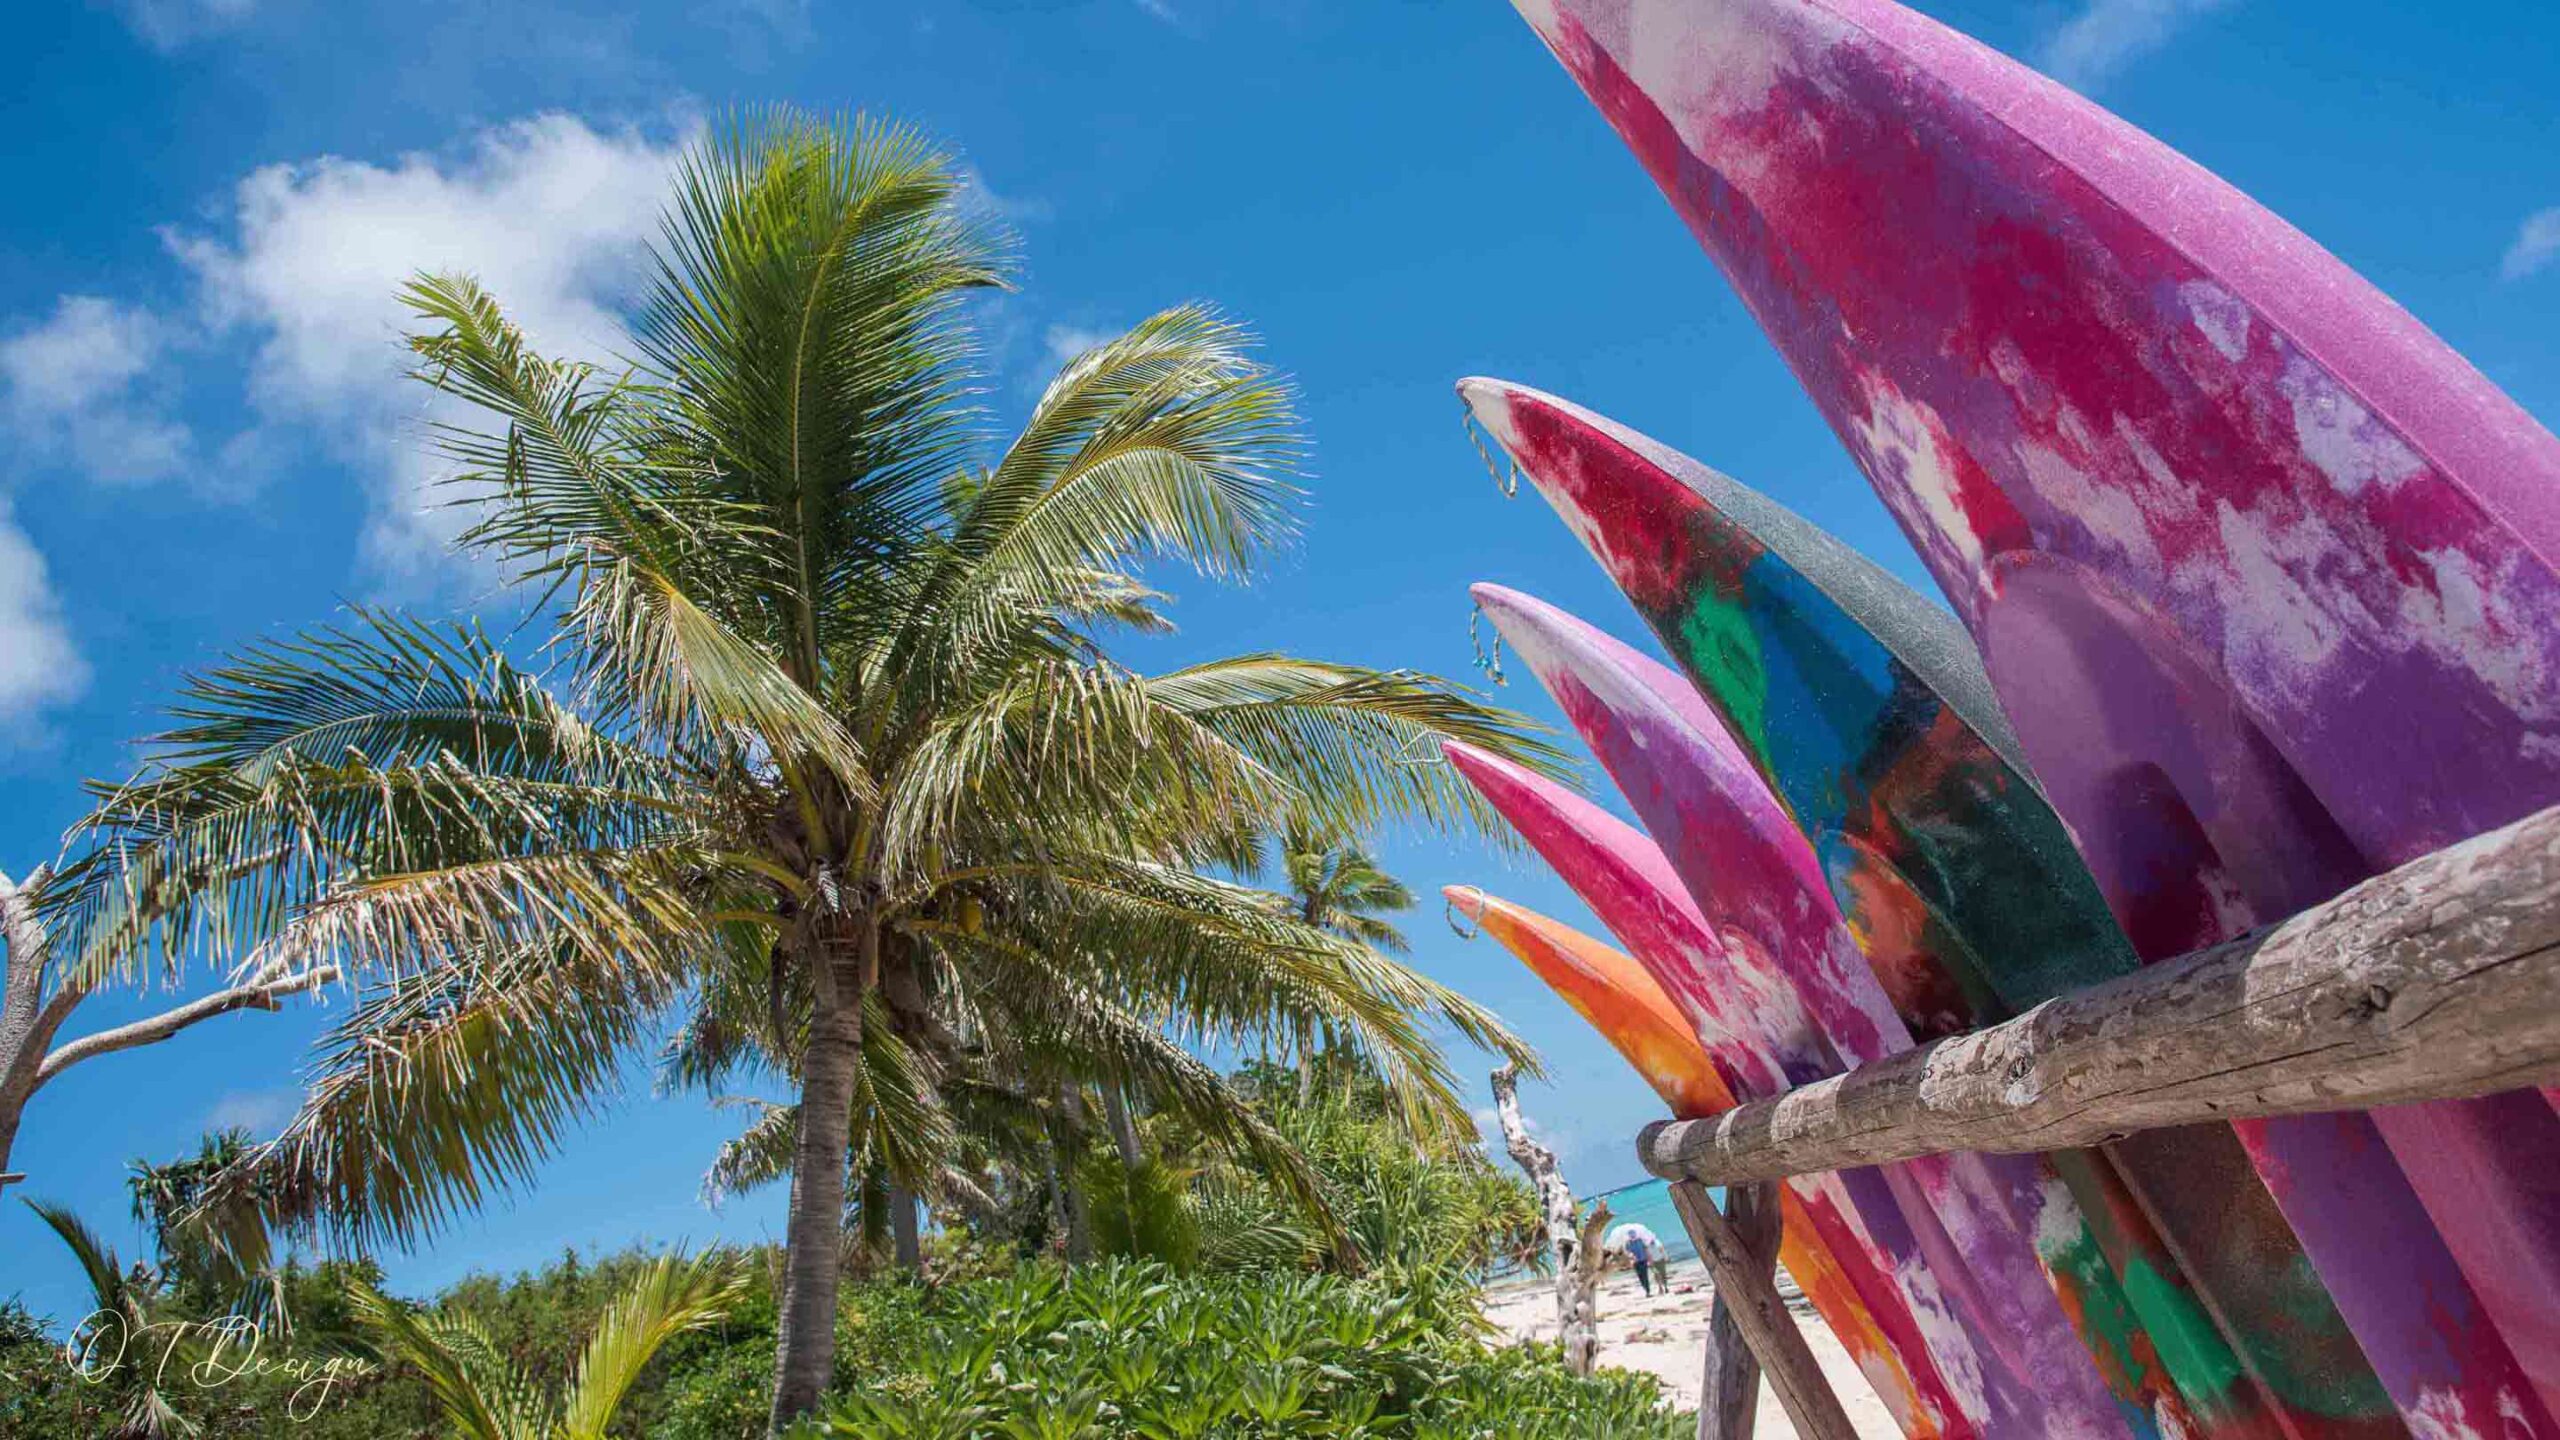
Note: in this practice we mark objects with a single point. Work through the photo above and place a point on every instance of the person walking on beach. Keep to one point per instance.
(1641, 1247)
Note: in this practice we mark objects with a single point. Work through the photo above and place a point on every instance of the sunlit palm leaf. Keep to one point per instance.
(672, 1296)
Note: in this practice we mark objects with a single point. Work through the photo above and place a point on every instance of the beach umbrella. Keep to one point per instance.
(1620, 1236)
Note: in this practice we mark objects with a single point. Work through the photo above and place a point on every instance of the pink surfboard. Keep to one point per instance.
(2211, 505)
(1866, 708)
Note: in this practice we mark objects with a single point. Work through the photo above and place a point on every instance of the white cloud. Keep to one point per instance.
(39, 665)
(165, 25)
(2108, 35)
(1566, 1143)
(260, 1112)
(1065, 342)
(1161, 9)
(2537, 245)
(552, 214)
(76, 388)
(978, 197)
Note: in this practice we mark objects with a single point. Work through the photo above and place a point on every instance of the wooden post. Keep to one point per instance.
(1748, 1308)
(1729, 1388)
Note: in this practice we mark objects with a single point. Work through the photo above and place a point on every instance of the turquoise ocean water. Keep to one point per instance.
(1648, 1203)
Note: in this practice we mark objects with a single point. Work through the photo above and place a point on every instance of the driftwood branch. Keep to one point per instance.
(258, 995)
(1576, 1239)
(2437, 981)
(1741, 1251)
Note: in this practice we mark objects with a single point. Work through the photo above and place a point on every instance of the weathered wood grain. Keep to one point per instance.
(1741, 1253)
(2437, 981)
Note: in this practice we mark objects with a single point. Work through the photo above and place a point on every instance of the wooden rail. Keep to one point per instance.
(2438, 980)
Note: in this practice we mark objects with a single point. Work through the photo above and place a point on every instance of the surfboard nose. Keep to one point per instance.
(1467, 900)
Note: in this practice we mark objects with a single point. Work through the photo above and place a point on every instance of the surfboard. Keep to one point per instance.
(1865, 708)
(1758, 884)
(2209, 504)
(1622, 1002)
(1757, 1037)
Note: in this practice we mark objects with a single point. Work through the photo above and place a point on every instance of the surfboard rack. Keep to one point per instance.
(2437, 981)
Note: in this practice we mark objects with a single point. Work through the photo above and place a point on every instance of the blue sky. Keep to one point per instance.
(206, 440)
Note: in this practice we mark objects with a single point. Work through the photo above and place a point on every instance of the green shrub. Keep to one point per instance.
(1136, 1350)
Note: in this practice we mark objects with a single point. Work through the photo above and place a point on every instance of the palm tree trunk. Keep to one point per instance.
(813, 1238)
(905, 1235)
(1079, 1222)
(1124, 1129)
(1073, 1216)
(1057, 1194)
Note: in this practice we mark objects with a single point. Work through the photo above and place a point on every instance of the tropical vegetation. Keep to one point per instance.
(809, 751)
(1134, 1350)
(1241, 1334)
(485, 1395)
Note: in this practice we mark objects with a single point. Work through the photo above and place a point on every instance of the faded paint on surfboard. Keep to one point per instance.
(2132, 419)
(1865, 708)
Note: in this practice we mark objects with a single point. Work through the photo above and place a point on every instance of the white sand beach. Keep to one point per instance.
(1663, 1336)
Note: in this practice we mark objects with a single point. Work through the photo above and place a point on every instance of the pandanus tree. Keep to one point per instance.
(824, 764)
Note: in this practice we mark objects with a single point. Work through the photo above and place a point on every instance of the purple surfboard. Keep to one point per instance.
(1757, 882)
(2212, 507)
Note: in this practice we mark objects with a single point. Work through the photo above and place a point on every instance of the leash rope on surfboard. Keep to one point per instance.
(1449, 912)
(1505, 478)
(1488, 661)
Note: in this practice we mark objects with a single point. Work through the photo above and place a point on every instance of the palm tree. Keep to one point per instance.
(827, 763)
(1336, 885)
(486, 1397)
(118, 1347)
(1339, 886)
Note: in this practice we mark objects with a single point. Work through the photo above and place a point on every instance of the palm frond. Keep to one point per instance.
(672, 1296)
(481, 1393)
(444, 1087)
(109, 1287)
(1164, 442)
(1360, 746)
(1060, 745)
(391, 689)
(805, 320)
(1065, 1029)
(343, 754)
(756, 1156)
(640, 537)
